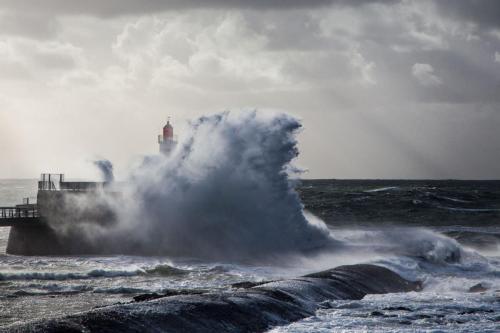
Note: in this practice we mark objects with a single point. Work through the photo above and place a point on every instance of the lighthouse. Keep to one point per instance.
(167, 141)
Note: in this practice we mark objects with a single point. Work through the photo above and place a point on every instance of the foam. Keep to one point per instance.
(60, 276)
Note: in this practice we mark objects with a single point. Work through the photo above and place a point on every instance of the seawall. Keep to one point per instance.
(42, 240)
(60, 228)
(32, 239)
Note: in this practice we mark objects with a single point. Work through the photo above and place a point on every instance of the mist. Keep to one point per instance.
(227, 192)
(106, 169)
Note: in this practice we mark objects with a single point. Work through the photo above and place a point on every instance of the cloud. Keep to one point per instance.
(112, 8)
(424, 73)
(497, 56)
(481, 12)
(78, 77)
(28, 59)
(215, 53)
(10, 66)
(225, 52)
(365, 67)
(31, 25)
(51, 56)
(361, 74)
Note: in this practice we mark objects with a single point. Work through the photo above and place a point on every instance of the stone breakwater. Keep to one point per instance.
(246, 307)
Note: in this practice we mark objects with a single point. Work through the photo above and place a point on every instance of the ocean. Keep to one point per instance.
(407, 226)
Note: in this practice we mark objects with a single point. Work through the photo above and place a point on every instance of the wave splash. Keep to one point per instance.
(225, 193)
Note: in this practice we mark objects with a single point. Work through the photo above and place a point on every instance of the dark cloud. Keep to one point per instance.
(483, 12)
(464, 74)
(402, 88)
(465, 80)
(111, 8)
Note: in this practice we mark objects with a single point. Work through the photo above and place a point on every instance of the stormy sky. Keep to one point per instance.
(385, 89)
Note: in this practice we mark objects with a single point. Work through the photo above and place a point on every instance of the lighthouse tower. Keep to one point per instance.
(167, 141)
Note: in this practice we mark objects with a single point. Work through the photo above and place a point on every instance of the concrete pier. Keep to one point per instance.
(55, 224)
(33, 239)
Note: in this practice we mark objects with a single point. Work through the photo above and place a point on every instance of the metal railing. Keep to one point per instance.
(50, 181)
(69, 186)
(18, 212)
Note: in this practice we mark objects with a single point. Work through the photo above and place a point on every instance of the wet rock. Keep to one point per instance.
(147, 297)
(376, 314)
(423, 316)
(477, 288)
(255, 309)
(247, 284)
(472, 311)
(167, 293)
(174, 292)
(398, 308)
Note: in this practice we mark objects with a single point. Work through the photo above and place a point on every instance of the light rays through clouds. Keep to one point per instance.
(385, 89)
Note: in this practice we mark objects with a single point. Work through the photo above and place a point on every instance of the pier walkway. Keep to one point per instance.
(12, 216)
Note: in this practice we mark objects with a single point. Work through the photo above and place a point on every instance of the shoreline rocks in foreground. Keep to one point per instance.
(249, 308)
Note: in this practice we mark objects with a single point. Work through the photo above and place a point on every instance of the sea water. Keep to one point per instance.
(383, 216)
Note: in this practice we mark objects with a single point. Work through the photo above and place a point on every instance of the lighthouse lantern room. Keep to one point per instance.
(167, 141)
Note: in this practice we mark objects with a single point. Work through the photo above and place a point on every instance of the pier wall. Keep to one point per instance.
(33, 240)
(61, 229)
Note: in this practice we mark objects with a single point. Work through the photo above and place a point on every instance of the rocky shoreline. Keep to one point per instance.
(245, 307)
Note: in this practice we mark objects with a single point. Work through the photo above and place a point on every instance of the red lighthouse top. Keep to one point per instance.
(168, 131)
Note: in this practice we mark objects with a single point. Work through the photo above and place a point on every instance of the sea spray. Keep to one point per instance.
(106, 169)
(420, 243)
(226, 193)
